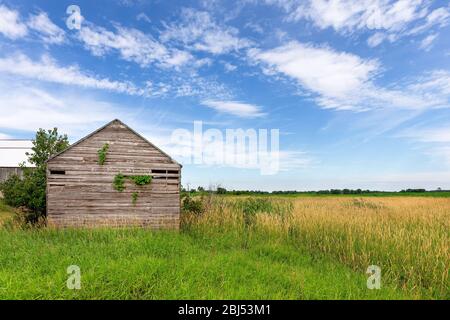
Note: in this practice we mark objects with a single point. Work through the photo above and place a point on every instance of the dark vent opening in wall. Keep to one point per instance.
(159, 171)
(57, 172)
(172, 178)
(172, 171)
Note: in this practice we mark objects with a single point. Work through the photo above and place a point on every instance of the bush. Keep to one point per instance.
(193, 206)
(29, 191)
(250, 207)
(13, 191)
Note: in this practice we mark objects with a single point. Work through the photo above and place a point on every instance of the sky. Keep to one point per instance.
(359, 91)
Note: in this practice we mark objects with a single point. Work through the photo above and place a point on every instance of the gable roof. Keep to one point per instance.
(103, 127)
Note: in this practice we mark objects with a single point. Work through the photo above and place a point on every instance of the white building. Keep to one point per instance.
(12, 151)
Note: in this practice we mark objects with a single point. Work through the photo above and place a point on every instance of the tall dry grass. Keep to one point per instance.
(407, 237)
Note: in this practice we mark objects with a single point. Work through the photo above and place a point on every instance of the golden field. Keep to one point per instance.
(408, 237)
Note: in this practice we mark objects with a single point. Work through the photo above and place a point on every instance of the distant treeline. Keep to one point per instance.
(221, 190)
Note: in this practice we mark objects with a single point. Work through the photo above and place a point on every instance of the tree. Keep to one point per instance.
(30, 190)
(221, 190)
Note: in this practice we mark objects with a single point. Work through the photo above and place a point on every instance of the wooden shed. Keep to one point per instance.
(113, 177)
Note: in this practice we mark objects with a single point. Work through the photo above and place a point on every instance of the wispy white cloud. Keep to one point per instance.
(438, 135)
(345, 81)
(376, 39)
(11, 25)
(348, 15)
(434, 86)
(434, 141)
(129, 3)
(198, 31)
(294, 159)
(379, 37)
(428, 41)
(229, 67)
(439, 17)
(255, 27)
(47, 30)
(143, 17)
(132, 45)
(236, 108)
(321, 70)
(391, 18)
(48, 70)
(73, 113)
(35, 108)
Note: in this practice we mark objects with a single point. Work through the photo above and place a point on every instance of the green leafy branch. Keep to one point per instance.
(139, 180)
(119, 182)
(102, 154)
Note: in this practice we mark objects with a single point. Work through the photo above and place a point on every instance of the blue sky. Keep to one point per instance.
(359, 90)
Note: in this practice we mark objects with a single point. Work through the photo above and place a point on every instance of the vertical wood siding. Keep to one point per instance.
(6, 172)
(80, 192)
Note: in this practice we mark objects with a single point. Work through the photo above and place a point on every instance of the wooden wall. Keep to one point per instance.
(84, 195)
(6, 172)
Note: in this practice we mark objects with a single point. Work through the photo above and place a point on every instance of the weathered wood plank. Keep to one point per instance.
(84, 195)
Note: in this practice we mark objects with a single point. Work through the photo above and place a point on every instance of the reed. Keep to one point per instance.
(407, 237)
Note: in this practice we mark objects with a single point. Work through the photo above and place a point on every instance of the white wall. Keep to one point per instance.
(12, 152)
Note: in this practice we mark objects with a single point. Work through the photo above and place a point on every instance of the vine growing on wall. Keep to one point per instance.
(119, 182)
(102, 154)
(139, 180)
(134, 197)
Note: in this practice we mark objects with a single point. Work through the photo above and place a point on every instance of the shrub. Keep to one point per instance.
(13, 191)
(193, 206)
(29, 191)
(250, 207)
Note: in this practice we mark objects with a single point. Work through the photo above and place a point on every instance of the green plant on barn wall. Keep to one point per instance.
(139, 180)
(119, 182)
(102, 154)
(134, 197)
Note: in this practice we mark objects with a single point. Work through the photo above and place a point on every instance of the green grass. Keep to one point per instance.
(6, 212)
(141, 264)
(227, 253)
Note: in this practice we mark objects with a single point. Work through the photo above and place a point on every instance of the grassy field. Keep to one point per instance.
(5, 212)
(431, 194)
(244, 248)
